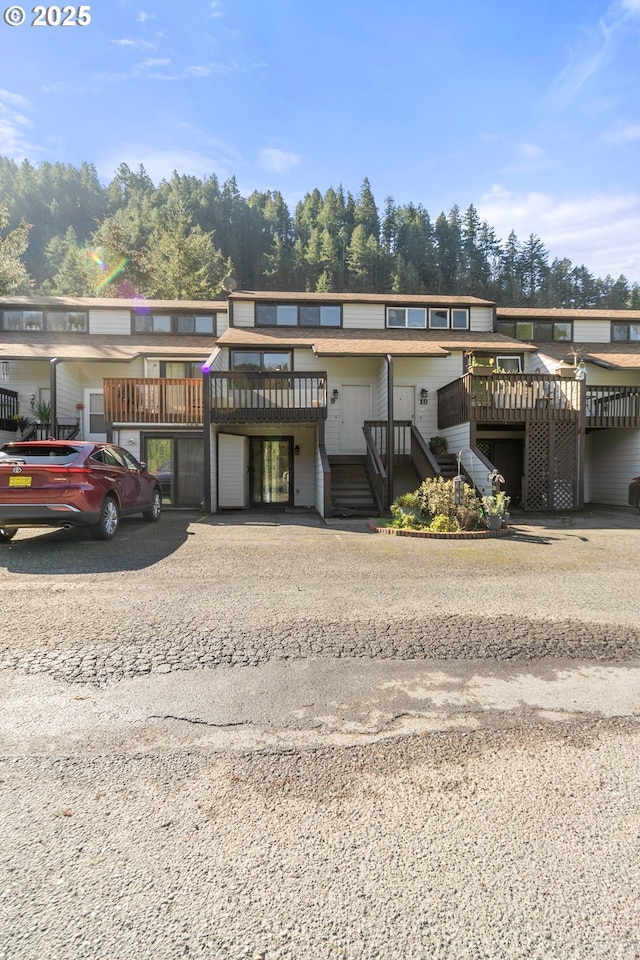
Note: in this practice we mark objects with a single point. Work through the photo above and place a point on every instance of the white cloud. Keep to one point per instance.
(624, 133)
(214, 10)
(14, 125)
(127, 43)
(160, 164)
(277, 161)
(154, 62)
(143, 16)
(598, 230)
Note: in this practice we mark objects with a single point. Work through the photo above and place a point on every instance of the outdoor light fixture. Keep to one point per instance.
(334, 396)
(424, 396)
(296, 450)
(458, 490)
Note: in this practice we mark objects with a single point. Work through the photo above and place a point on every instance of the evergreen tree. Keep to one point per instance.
(13, 273)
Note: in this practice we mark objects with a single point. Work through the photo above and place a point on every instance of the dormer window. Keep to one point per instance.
(625, 332)
(437, 318)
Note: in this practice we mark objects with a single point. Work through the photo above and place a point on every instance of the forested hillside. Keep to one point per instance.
(180, 238)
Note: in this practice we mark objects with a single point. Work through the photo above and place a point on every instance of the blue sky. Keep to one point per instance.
(531, 112)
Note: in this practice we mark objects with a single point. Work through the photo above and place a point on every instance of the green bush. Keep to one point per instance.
(436, 498)
(444, 524)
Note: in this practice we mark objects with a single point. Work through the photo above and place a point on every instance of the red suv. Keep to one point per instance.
(61, 483)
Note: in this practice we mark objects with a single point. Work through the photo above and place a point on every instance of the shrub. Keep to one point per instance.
(436, 498)
(444, 524)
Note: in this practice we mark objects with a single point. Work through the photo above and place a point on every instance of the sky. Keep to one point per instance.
(528, 111)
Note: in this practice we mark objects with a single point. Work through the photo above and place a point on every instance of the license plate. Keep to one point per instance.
(19, 481)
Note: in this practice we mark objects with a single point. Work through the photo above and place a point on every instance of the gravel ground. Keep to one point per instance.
(509, 842)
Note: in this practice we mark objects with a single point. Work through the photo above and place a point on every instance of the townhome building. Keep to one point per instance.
(334, 402)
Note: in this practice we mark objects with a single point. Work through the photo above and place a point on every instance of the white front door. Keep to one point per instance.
(404, 403)
(355, 408)
(233, 470)
(94, 427)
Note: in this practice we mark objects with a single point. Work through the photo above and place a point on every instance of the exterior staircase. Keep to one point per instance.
(448, 463)
(351, 494)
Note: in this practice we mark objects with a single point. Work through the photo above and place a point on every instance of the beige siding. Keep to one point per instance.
(481, 319)
(354, 372)
(243, 314)
(594, 331)
(110, 321)
(428, 374)
(26, 377)
(68, 390)
(614, 461)
(368, 316)
(222, 323)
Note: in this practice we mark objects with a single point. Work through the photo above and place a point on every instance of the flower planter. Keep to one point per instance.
(481, 370)
(494, 521)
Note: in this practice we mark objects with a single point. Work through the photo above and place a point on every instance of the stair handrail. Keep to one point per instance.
(325, 466)
(375, 469)
(482, 486)
(420, 452)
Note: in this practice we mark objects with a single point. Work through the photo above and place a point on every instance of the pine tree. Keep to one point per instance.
(13, 273)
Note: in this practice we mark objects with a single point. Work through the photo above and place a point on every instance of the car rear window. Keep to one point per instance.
(30, 453)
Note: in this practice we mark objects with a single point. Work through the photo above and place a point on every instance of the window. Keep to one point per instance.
(459, 319)
(195, 324)
(145, 322)
(625, 332)
(509, 364)
(298, 315)
(536, 330)
(59, 321)
(180, 369)
(440, 318)
(414, 317)
(96, 414)
(261, 360)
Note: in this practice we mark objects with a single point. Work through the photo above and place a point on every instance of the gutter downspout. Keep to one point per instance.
(390, 434)
(206, 420)
(53, 388)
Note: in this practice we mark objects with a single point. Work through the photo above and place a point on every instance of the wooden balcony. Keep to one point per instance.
(273, 397)
(518, 397)
(153, 400)
(8, 409)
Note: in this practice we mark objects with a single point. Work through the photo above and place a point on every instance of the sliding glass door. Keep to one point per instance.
(271, 459)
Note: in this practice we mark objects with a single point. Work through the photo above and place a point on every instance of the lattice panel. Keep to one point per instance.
(551, 466)
(537, 466)
(564, 466)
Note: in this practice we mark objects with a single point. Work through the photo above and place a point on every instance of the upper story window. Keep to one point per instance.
(298, 315)
(261, 360)
(536, 330)
(437, 318)
(148, 322)
(625, 332)
(58, 321)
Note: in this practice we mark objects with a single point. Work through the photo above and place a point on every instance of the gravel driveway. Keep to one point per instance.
(516, 839)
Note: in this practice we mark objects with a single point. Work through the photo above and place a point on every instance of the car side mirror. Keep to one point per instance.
(143, 466)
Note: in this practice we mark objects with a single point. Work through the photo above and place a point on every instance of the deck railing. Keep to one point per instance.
(509, 397)
(152, 400)
(257, 397)
(8, 409)
(613, 406)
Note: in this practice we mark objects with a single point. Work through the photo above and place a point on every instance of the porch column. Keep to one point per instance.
(390, 434)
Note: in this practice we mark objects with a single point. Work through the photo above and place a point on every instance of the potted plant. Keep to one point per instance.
(23, 424)
(43, 412)
(495, 507)
(438, 445)
(483, 366)
(407, 509)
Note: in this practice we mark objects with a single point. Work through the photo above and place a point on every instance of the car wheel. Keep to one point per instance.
(109, 520)
(153, 512)
(7, 533)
